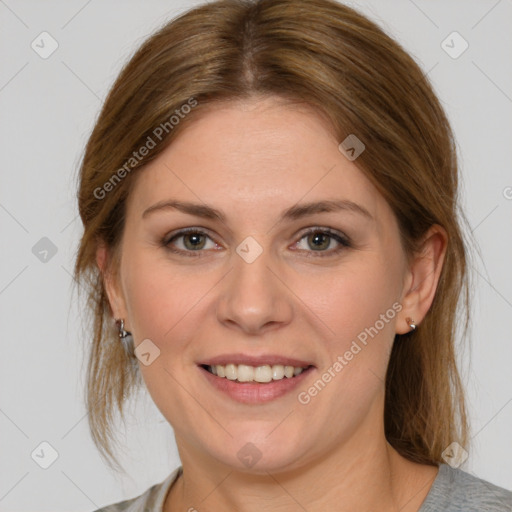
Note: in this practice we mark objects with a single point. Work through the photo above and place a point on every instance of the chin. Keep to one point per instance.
(261, 457)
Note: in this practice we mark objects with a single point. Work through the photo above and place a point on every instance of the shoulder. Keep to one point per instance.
(455, 490)
(151, 500)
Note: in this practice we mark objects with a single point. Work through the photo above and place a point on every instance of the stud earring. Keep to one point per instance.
(411, 323)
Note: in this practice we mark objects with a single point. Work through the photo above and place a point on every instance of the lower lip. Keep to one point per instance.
(255, 392)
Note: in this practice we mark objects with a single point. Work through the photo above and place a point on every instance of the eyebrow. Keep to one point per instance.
(293, 213)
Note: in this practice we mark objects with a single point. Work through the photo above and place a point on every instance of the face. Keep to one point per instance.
(269, 280)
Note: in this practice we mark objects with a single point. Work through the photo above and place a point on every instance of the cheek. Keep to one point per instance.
(158, 297)
(165, 307)
(353, 298)
(168, 304)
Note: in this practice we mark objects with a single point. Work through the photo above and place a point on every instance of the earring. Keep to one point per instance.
(126, 338)
(411, 323)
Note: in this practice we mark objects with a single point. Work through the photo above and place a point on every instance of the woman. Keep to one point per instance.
(272, 246)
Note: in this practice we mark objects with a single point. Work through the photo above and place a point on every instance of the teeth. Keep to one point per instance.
(277, 372)
(245, 373)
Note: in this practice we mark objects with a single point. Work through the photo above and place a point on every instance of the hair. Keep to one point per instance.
(329, 57)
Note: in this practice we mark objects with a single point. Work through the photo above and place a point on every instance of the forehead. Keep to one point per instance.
(255, 155)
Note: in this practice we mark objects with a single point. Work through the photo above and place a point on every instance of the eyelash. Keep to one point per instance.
(338, 237)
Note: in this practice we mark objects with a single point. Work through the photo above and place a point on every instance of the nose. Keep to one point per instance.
(253, 298)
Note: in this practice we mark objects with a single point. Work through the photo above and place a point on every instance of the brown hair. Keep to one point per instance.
(334, 59)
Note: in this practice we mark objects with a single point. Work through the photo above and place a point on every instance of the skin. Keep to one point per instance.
(252, 160)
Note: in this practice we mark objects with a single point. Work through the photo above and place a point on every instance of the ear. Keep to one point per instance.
(422, 278)
(112, 288)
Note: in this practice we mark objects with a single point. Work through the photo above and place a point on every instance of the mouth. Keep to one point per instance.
(254, 385)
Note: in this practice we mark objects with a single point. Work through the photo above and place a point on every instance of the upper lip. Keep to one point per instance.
(261, 360)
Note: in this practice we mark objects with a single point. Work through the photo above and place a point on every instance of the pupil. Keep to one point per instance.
(319, 236)
(195, 240)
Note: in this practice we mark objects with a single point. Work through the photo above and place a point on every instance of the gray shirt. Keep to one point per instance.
(453, 490)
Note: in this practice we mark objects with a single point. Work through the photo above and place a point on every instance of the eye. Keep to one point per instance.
(193, 240)
(322, 239)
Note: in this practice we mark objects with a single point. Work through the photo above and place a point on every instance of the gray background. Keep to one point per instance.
(48, 107)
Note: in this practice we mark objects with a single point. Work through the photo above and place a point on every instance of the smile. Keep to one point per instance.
(254, 385)
(262, 374)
